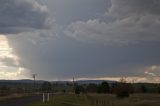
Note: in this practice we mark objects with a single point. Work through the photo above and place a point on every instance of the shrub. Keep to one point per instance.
(123, 88)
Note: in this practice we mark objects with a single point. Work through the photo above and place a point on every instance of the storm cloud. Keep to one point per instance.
(88, 39)
(22, 15)
(126, 8)
(133, 21)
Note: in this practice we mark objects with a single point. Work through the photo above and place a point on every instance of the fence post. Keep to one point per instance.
(48, 97)
(43, 98)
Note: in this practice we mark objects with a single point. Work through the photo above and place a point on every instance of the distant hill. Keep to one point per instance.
(21, 81)
(94, 81)
(62, 82)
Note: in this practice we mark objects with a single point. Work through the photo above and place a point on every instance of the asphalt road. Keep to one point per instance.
(24, 101)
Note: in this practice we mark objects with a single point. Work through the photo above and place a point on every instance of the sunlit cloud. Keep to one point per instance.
(153, 71)
(9, 63)
(131, 79)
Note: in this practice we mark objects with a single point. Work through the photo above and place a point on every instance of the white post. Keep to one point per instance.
(43, 98)
(48, 97)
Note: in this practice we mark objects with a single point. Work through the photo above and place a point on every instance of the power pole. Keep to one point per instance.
(34, 81)
(73, 85)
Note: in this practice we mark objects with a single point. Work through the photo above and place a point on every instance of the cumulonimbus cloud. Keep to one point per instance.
(22, 15)
(132, 21)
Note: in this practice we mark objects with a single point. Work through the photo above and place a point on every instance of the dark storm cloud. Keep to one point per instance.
(22, 15)
(68, 11)
(121, 38)
(64, 58)
(125, 8)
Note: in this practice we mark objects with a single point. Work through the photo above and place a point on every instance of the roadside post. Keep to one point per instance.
(45, 97)
(48, 97)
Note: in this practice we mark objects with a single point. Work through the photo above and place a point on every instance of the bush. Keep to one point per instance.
(123, 90)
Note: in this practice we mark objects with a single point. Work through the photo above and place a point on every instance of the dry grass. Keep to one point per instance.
(13, 96)
(133, 100)
(102, 100)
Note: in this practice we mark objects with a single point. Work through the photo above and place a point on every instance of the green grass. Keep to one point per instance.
(102, 100)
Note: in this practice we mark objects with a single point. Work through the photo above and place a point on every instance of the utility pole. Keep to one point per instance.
(73, 85)
(34, 80)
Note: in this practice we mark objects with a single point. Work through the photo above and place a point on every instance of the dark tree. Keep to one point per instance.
(123, 90)
(158, 88)
(143, 88)
(77, 89)
(46, 87)
(82, 89)
(104, 88)
(113, 87)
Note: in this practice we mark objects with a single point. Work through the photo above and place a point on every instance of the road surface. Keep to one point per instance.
(24, 101)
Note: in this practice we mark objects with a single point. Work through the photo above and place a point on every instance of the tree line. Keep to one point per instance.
(121, 88)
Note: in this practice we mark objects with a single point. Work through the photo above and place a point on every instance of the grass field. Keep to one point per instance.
(102, 100)
(13, 96)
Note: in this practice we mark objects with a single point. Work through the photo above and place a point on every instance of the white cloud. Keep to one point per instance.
(131, 79)
(14, 73)
(153, 71)
(10, 67)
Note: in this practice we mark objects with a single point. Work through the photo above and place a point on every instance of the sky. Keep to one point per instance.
(85, 39)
